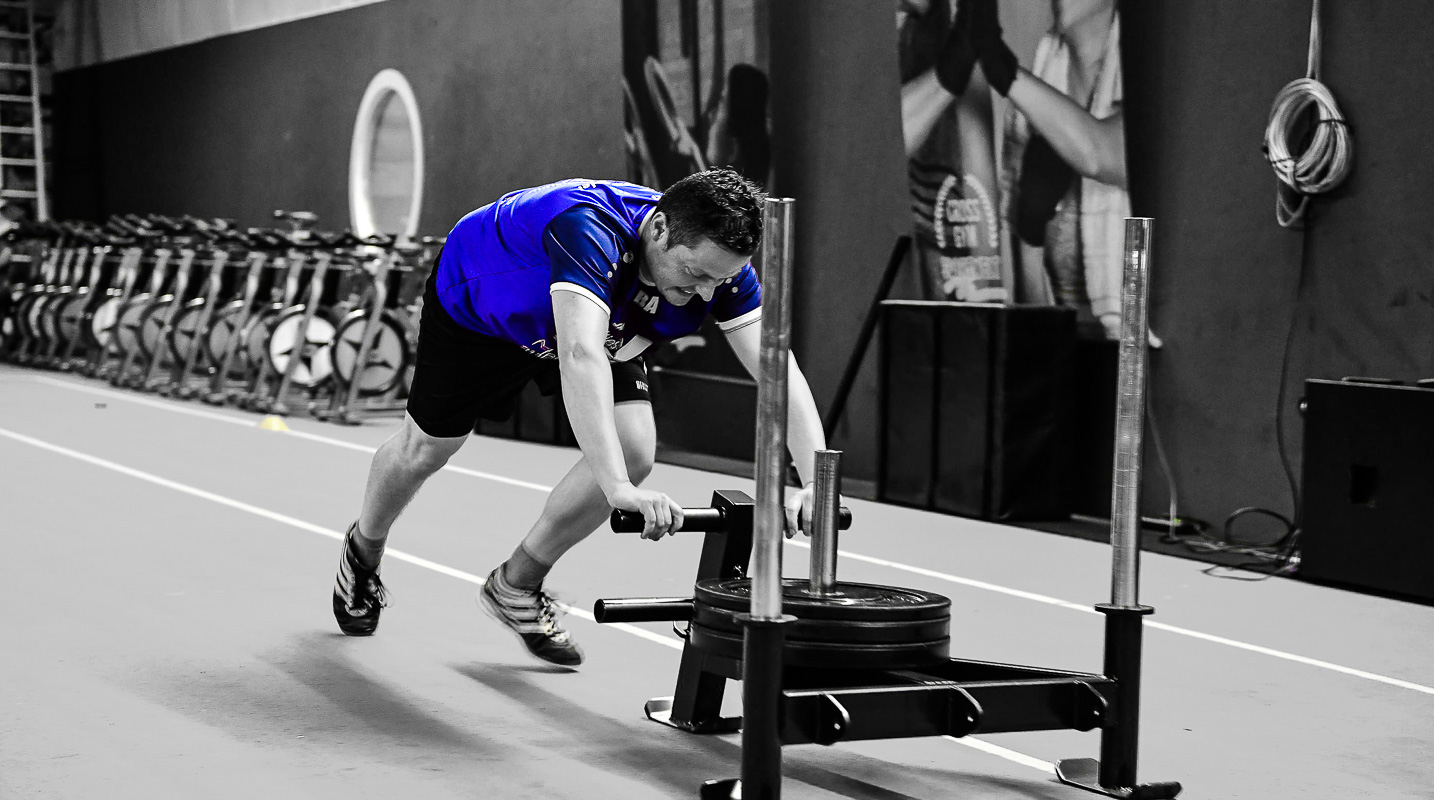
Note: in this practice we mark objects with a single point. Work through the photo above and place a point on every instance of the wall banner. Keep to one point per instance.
(1021, 197)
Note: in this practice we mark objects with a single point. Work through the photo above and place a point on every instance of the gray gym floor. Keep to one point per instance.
(168, 567)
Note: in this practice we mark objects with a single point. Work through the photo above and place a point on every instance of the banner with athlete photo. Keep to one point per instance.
(1011, 113)
(695, 89)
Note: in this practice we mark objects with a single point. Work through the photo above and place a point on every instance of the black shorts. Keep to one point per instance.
(463, 375)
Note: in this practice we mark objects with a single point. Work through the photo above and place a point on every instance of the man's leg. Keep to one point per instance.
(576, 507)
(398, 469)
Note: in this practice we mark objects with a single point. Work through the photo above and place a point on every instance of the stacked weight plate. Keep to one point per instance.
(856, 626)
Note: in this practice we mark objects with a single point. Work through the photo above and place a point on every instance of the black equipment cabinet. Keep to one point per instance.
(1367, 511)
(976, 408)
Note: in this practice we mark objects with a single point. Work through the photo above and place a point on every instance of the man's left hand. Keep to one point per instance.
(800, 507)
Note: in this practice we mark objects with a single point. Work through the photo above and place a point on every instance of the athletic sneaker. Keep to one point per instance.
(359, 595)
(531, 614)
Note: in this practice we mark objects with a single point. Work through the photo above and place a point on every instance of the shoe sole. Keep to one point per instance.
(497, 616)
(354, 629)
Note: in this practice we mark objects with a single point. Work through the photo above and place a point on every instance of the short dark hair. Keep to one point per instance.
(718, 204)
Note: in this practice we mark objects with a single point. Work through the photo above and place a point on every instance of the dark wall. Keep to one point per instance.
(514, 93)
(510, 93)
(836, 118)
(1200, 81)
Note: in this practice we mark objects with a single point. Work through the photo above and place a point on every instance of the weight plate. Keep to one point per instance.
(849, 601)
(828, 655)
(833, 630)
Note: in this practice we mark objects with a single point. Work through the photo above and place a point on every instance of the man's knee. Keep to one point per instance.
(420, 451)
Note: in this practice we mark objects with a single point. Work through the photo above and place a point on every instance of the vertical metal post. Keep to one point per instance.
(821, 575)
(764, 632)
(1124, 617)
(1114, 775)
(1130, 417)
(771, 466)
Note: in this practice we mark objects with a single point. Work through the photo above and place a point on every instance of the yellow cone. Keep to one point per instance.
(273, 423)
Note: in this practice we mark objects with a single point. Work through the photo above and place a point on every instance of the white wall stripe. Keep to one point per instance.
(90, 31)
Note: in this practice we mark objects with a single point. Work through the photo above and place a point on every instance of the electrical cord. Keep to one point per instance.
(1280, 557)
(1323, 165)
(1278, 553)
(1326, 158)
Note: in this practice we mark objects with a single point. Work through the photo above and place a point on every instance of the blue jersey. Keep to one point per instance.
(502, 262)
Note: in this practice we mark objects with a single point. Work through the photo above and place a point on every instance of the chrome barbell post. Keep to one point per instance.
(826, 494)
(1130, 416)
(768, 527)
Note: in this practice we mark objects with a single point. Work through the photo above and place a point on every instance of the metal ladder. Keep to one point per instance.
(23, 178)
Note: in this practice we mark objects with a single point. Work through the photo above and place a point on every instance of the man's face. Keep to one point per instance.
(682, 272)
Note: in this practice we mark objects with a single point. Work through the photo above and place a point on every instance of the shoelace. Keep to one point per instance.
(374, 592)
(548, 618)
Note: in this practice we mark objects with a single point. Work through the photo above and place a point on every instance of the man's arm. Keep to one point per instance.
(587, 394)
(587, 386)
(804, 424)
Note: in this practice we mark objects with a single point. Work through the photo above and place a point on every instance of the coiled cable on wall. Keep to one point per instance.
(1326, 159)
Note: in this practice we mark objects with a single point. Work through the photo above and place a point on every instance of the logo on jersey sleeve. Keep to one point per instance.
(542, 348)
(646, 302)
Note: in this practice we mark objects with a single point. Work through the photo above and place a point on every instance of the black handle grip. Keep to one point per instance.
(643, 609)
(693, 519)
(702, 519)
(843, 519)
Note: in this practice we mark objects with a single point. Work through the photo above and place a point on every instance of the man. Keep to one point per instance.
(568, 284)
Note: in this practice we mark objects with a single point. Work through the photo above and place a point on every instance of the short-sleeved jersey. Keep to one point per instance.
(502, 262)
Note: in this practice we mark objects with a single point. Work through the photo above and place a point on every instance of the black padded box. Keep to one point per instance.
(976, 408)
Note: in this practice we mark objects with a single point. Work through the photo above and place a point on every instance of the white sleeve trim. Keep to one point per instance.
(741, 322)
(577, 288)
(632, 349)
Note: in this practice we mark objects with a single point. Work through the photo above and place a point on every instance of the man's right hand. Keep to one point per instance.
(661, 515)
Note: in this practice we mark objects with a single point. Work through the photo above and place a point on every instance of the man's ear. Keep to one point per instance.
(659, 229)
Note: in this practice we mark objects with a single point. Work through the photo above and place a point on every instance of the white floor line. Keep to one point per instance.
(1253, 648)
(176, 406)
(1004, 752)
(180, 407)
(985, 747)
(969, 582)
